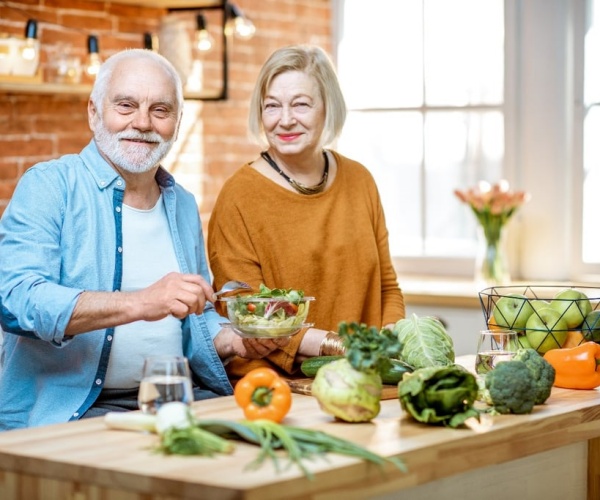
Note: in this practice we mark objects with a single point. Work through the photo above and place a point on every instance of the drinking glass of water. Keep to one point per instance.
(165, 379)
(493, 347)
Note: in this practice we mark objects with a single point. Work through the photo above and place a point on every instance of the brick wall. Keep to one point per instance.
(213, 141)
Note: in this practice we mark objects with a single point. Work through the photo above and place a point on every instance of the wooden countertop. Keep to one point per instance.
(86, 452)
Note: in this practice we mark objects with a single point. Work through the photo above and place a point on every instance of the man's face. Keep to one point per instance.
(138, 120)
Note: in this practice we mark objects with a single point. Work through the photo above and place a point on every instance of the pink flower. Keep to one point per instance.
(493, 205)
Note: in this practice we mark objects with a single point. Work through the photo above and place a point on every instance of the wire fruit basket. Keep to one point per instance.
(544, 316)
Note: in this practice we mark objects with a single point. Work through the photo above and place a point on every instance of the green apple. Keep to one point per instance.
(573, 305)
(523, 342)
(512, 311)
(520, 342)
(590, 328)
(546, 329)
(539, 304)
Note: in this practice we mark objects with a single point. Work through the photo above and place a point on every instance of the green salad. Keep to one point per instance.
(269, 312)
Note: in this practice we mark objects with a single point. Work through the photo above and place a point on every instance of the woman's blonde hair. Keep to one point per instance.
(313, 61)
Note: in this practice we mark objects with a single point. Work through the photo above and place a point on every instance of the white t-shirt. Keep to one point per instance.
(148, 255)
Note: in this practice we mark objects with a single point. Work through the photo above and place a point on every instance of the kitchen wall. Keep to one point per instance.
(213, 141)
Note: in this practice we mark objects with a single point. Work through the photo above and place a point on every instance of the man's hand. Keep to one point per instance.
(175, 294)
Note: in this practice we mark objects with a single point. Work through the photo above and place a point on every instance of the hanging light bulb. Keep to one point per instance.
(204, 40)
(150, 42)
(237, 23)
(25, 59)
(30, 50)
(94, 61)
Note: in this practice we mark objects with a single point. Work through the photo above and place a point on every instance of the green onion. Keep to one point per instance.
(210, 437)
(299, 444)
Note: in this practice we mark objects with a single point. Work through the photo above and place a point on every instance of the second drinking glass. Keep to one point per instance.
(165, 379)
(493, 347)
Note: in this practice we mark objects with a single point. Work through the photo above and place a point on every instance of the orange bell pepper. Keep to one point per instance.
(576, 367)
(263, 394)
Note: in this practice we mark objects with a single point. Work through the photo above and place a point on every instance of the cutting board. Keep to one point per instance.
(303, 385)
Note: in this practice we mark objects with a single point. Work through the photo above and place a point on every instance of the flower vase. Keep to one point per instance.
(491, 264)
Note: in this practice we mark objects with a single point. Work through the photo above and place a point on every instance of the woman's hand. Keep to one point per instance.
(228, 344)
(311, 344)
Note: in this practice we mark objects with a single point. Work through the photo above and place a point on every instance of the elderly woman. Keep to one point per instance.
(302, 216)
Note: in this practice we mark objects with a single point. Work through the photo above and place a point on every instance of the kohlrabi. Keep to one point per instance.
(350, 388)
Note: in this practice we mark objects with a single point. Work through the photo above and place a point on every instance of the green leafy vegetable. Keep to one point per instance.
(424, 342)
(287, 294)
(350, 388)
(369, 349)
(439, 395)
(193, 440)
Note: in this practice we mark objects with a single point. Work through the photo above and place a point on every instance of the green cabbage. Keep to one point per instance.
(424, 342)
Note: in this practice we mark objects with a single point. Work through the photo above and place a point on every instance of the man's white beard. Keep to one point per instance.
(129, 156)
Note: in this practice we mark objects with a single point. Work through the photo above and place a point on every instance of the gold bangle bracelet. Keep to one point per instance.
(332, 345)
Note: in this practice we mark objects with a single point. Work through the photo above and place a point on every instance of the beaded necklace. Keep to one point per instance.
(301, 188)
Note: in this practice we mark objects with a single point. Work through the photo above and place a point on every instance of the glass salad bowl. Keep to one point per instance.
(267, 317)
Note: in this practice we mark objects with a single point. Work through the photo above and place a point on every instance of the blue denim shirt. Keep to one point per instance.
(61, 235)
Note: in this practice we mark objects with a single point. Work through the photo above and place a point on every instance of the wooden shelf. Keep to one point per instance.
(46, 88)
(171, 4)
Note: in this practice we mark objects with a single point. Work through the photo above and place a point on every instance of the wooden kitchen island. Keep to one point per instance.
(553, 453)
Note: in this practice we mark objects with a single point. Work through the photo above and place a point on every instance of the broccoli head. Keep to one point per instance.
(543, 373)
(510, 388)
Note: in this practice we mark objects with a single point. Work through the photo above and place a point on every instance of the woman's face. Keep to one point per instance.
(293, 114)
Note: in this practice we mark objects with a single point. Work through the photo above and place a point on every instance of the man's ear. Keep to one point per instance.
(92, 115)
(176, 135)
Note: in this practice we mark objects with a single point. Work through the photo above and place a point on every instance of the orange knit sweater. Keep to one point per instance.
(333, 245)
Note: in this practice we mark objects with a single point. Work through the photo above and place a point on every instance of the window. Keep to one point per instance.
(425, 112)
(444, 93)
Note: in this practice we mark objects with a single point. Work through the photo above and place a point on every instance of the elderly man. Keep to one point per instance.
(103, 263)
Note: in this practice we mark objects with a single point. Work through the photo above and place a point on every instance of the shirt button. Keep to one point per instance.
(118, 209)
(120, 249)
(109, 338)
(119, 183)
(76, 414)
(98, 381)
(103, 183)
